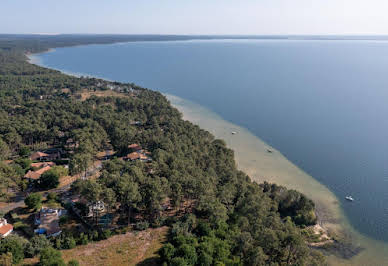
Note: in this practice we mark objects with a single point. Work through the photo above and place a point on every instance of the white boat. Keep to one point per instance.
(349, 198)
(234, 132)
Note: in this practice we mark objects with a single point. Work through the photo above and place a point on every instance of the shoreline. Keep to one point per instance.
(33, 58)
(252, 157)
(266, 166)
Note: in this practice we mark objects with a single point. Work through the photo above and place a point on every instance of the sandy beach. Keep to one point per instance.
(35, 59)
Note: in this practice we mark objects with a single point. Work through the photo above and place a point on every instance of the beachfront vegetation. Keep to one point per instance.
(216, 214)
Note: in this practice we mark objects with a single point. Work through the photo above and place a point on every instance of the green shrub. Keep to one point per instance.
(63, 219)
(15, 245)
(36, 244)
(106, 234)
(73, 263)
(95, 236)
(24, 151)
(52, 196)
(142, 225)
(178, 261)
(19, 225)
(83, 239)
(24, 163)
(49, 180)
(34, 201)
(167, 252)
(68, 242)
(51, 257)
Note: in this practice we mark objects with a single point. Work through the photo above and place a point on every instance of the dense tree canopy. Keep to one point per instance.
(14, 245)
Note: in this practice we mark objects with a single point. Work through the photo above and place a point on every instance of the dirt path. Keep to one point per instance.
(17, 201)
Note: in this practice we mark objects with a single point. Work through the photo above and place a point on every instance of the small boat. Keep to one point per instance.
(349, 198)
(269, 151)
(234, 132)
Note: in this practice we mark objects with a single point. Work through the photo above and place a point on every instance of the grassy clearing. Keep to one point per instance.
(85, 94)
(133, 248)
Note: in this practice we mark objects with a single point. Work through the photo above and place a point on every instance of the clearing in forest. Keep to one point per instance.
(133, 248)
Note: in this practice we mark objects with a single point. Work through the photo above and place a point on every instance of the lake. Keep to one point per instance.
(323, 104)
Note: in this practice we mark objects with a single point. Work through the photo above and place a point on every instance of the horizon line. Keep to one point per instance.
(198, 35)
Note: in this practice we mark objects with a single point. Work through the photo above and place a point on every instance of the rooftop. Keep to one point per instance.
(49, 220)
(133, 156)
(5, 227)
(38, 154)
(43, 164)
(36, 174)
(106, 153)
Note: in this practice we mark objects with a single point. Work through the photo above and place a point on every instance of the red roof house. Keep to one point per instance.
(36, 174)
(5, 228)
(42, 164)
(133, 156)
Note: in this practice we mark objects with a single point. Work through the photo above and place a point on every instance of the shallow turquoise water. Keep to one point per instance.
(323, 104)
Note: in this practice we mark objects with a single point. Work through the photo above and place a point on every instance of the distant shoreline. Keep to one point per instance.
(158, 37)
(32, 58)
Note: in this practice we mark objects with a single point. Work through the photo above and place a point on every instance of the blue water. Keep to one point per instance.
(323, 104)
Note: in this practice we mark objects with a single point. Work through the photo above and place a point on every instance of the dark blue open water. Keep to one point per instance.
(323, 104)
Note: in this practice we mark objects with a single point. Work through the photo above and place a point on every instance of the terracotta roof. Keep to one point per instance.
(105, 153)
(42, 164)
(44, 169)
(110, 152)
(38, 173)
(143, 157)
(32, 175)
(41, 154)
(37, 155)
(5, 229)
(133, 156)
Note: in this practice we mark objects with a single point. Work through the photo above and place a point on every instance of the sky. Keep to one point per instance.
(253, 17)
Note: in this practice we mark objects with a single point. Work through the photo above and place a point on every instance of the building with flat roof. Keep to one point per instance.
(48, 221)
